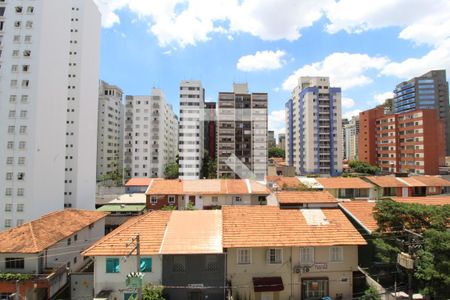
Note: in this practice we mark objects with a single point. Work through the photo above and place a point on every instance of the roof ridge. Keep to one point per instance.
(33, 236)
(248, 184)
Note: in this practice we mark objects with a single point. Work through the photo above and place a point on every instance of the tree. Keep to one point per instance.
(371, 294)
(212, 169)
(150, 292)
(362, 167)
(171, 171)
(276, 152)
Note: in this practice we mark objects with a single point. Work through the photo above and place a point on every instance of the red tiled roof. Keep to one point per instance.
(263, 226)
(285, 182)
(412, 181)
(139, 181)
(300, 197)
(429, 200)
(344, 183)
(40, 234)
(150, 227)
(362, 212)
(386, 181)
(432, 180)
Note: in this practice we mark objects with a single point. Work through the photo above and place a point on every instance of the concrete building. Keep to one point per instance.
(345, 121)
(351, 131)
(428, 91)
(48, 107)
(410, 142)
(110, 131)
(191, 129)
(271, 141)
(151, 135)
(242, 133)
(210, 130)
(281, 141)
(314, 127)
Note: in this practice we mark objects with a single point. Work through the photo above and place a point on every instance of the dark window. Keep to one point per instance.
(15, 263)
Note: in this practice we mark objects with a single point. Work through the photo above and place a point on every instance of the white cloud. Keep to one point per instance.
(277, 121)
(347, 102)
(350, 114)
(261, 60)
(381, 97)
(421, 21)
(345, 70)
(187, 22)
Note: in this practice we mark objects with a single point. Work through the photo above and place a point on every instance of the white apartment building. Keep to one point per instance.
(151, 135)
(314, 127)
(49, 67)
(110, 130)
(191, 129)
(351, 132)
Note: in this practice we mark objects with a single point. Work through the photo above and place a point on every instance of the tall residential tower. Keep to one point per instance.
(314, 127)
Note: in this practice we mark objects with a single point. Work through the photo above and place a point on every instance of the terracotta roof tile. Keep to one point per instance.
(40, 234)
(300, 197)
(362, 212)
(150, 227)
(263, 226)
(432, 180)
(344, 183)
(429, 200)
(411, 181)
(386, 181)
(139, 181)
(285, 182)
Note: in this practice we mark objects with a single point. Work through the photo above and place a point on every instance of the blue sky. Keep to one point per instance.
(268, 44)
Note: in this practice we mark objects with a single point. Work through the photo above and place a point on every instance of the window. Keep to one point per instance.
(154, 200)
(179, 264)
(25, 68)
(146, 264)
(21, 161)
(8, 207)
(171, 199)
(307, 256)
(8, 191)
(9, 160)
(14, 68)
(215, 199)
(336, 254)
(10, 145)
(30, 9)
(238, 199)
(23, 113)
(112, 265)
(244, 256)
(29, 24)
(27, 39)
(20, 207)
(20, 192)
(14, 263)
(13, 83)
(11, 129)
(22, 145)
(17, 24)
(12, 98)
(19, 222)
(24, 99)
(8, 223)
(15, 53)
(211, 263)
(75, 238)
(23, 129)
(274, 256)
(19, 9)
(20, 176)
(25, 83)
(9, 176)
(27, 53)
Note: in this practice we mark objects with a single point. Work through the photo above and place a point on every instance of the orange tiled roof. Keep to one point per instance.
(263, 226)
(362, 212)
(139, 181)
(300, 197)
(193, 232)
(432, 180)
(150, 227)
(288, 182)
(207, 187)
(40, 234)
(344, 183)
(411, 181)
(429, 200)
(386, 181)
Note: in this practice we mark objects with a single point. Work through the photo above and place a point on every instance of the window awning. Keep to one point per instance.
(268, 284)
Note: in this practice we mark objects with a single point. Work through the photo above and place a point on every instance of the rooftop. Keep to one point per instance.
(40, 234)
(139, 181)
(413, 181)
(300, 197)
(285, 182)
(122, 207)
(344, 183)
(262, 226)
(136, 198)
(362, 213)
(386, 181)
(429, 200)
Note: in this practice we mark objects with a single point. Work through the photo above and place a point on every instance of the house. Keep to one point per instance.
(278, 183)
(205, 193)
(112, 263)
(408, 186)
(304, 199)
(138, 185)
(361, 212)
(42, 252)
(275, 253)
(342, 187)
(278, 167)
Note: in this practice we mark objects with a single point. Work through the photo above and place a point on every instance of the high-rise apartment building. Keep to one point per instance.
(281, 141)
(409, 142)
(242, 133)
(429, 91)
(271, 141)
(351, 132)
(191, 129)
(314, 127)
(49, 57)
(210, 129)
(110, 131)
(151, 135)
(345, 121)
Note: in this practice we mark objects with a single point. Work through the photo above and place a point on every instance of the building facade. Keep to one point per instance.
(242, 133)
(314, 127)
(210, 130)
(271, 141)
(281, 141)
(428, 91)
(48, 106)
(110, 134)
(191, 129)
(410, 142)
(351, 131)
(151, 135)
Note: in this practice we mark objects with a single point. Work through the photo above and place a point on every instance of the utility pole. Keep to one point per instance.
(135, 241)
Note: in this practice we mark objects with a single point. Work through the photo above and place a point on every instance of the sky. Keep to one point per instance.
(366, 47)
